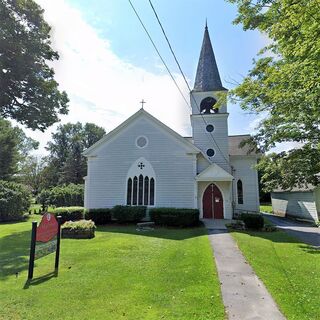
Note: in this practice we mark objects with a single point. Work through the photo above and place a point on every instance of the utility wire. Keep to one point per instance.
(155, 47)
(184, 77)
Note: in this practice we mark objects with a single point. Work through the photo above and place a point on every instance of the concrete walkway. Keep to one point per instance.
(304, 231)
(244, 295)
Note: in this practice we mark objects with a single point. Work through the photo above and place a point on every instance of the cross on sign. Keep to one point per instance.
(141, 165)
(142, 103)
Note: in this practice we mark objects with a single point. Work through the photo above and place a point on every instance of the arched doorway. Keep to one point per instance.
(212, 203)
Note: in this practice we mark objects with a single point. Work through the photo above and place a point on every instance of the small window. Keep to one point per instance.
(135, 191)
(210, 152)
(129, 190)
(151, 191)
(240, 192)
(146, 191)
(141, 142)
(209, 128)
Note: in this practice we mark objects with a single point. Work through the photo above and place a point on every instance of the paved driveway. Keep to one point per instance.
(304, 231)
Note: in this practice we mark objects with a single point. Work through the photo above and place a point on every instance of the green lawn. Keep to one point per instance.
(120, 274)
(266, 208)
(289, 269)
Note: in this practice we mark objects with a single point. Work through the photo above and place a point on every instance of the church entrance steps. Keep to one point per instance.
(216, 224)
(244, 295)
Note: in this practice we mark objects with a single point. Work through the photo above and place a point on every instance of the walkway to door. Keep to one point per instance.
(244, 295)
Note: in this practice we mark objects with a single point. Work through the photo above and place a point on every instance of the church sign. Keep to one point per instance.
(45, 239)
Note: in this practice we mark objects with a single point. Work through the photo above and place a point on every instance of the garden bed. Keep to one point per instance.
(83, 229)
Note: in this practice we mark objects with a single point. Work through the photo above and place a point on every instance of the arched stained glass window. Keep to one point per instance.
(140, 184)
(240, 192)
(140, 194)
(135, 191)
(146, 191)
(129, 191)
(152, 191)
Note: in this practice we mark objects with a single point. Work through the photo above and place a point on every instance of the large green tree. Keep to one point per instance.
(28, 91)
(284, 86)
(15, 147)
(66, 163)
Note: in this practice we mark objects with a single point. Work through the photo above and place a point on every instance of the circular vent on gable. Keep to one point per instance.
(141, 142)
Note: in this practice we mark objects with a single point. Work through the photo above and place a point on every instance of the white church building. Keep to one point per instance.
(144, 162)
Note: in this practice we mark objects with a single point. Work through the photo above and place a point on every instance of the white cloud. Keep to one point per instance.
(102, 88)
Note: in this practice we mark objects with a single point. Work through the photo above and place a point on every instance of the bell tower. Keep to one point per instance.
(209, 123)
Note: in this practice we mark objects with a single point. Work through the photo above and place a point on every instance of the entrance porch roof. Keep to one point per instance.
(214, 173)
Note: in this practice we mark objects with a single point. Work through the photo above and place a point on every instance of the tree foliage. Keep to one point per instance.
(15, 200)
(28, 91)
(284, 86)
(14, 149)
(66, 163)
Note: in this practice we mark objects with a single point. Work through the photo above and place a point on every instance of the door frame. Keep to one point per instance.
(202, 194)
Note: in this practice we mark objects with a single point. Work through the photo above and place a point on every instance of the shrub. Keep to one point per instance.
(15, 200)
(175, 217)
(128, 213)
(252, 221)
(83, 229)
(69, 213)
(79, 225)
(62, 196)
(99, 216)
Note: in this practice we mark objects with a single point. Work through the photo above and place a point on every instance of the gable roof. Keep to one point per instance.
(236, 150)
(207, 77)
(141, 113)
(214, 173)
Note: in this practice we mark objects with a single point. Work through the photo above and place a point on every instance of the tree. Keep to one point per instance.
(284, 86)
(14, 148)
(28, 91)
(31, 173)
(66, 163)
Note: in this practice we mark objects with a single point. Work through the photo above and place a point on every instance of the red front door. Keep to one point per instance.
(212, 203)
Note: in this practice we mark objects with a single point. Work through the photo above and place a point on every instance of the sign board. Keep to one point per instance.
(45, 239)
(48, 228)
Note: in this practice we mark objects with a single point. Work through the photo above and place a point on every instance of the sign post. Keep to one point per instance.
(32, 249)
(45, 239)
(56, 265)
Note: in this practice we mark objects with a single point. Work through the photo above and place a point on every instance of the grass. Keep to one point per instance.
(120, 274)
(289, 269)
(266, 208)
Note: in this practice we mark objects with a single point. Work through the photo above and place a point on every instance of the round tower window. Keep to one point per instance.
(209, 127)
(210, 152)
(141, 142)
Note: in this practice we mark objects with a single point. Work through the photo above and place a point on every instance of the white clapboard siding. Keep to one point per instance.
(109, 165)
(218, 140)
(244, 170)
(298, 204)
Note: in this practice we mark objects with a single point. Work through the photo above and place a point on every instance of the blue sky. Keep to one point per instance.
(108, 65)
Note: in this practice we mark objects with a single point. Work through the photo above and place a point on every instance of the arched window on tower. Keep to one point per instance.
(207, 105)
(240, 192)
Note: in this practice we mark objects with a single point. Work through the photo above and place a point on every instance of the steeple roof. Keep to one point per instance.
(207, 77)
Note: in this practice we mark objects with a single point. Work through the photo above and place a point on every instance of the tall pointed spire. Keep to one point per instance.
(207, 77)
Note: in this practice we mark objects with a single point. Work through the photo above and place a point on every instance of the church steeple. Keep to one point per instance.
(207, 77)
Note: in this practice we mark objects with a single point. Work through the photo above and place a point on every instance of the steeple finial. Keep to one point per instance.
(207, 77)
